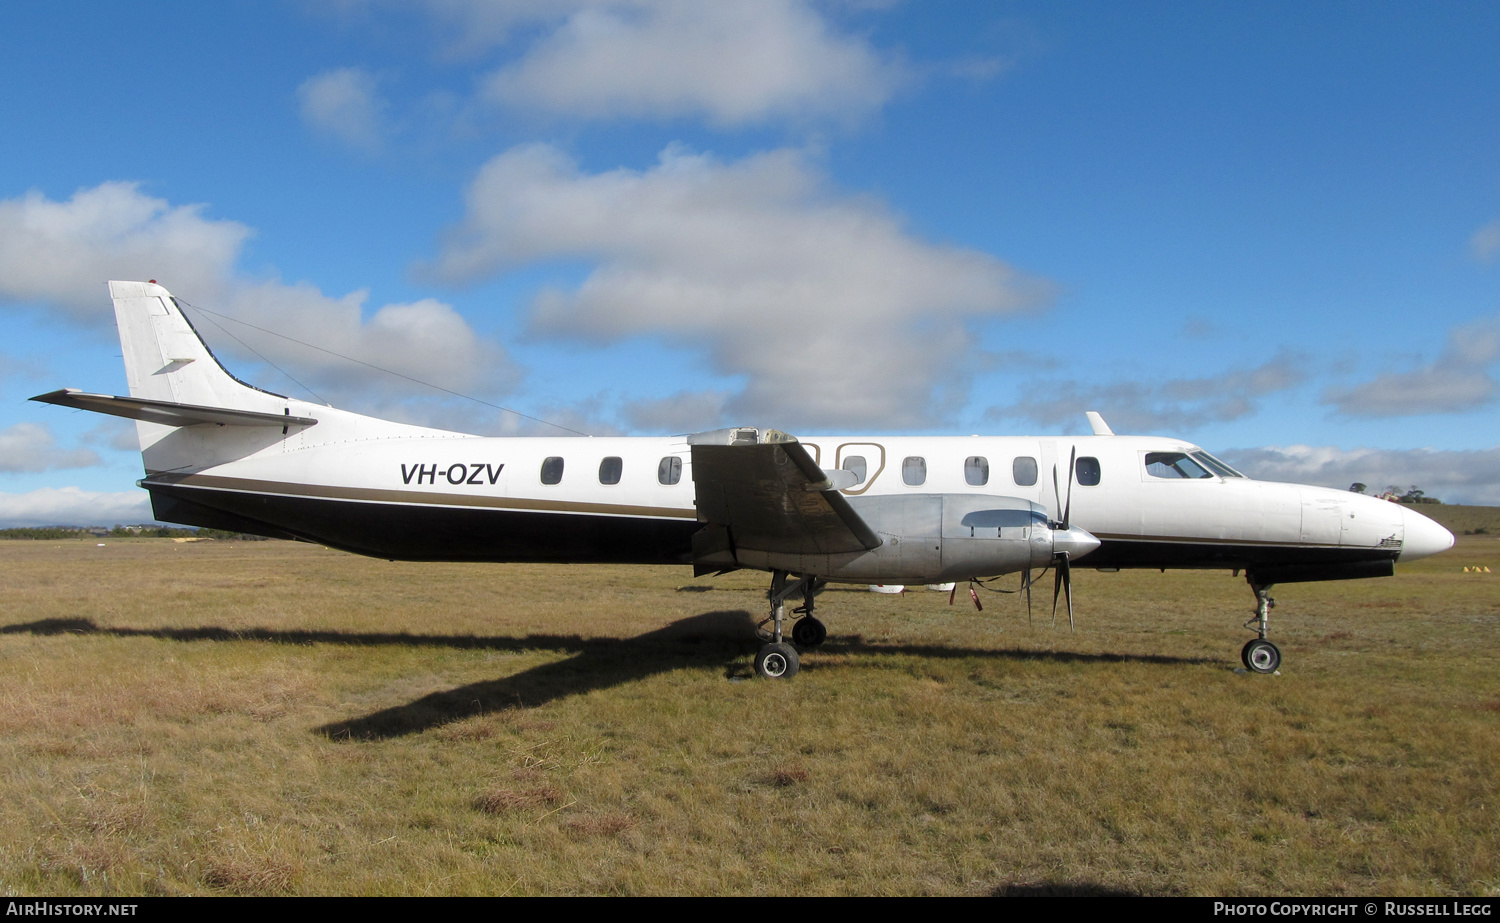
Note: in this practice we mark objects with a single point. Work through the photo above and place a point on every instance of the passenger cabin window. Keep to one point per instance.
(552, 470)
(609, 470)
(669, 472)
(976, 471)
(1088, 471)
(856, 463)
(1023, 470)
(914, 471)
(1174, 465)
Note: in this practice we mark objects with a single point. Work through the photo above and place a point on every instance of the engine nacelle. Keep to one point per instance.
(937, 538)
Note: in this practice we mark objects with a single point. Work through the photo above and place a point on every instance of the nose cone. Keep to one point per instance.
(1074, 542)
(1423, 536)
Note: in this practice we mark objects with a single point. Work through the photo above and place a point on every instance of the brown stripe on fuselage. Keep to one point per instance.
(421, 498)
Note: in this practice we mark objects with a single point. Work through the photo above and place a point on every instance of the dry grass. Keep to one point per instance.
(1462, 520)
(274, 718)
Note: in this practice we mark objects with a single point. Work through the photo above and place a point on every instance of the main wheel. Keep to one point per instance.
(809, 632)
(777, 661)
(1261, 656)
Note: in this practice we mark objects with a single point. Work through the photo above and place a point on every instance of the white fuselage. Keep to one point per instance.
(1144, 519)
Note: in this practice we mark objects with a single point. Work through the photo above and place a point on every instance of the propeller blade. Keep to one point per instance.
(1057, 583)
(1067, 582)
(1026, 579)
(1072, 465)
(1056, 493)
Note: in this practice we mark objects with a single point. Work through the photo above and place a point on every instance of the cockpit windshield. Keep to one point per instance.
(1175, 465)
(1198, 464)
(1216, 466)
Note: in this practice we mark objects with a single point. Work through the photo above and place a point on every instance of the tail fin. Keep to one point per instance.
(166, 360)
(176, 384)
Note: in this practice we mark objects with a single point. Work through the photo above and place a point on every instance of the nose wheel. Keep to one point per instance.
(1260, 656)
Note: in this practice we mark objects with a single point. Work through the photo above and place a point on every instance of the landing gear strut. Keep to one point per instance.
(1260, 655)
(778, 659)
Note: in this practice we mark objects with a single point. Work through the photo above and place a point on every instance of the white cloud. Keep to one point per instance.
(427, 340)
(1459, 380)
(1452, 476)
(831, 311)
(733, 61)
(476, 26)
(344, 104)
(70, 506)
(1485, 244)
(32, 447)
(114, 433)
(1156, 406)
(60, 254)
(683, 412)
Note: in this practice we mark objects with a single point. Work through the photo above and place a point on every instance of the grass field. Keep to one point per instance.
(277, 718)
(1464, 520)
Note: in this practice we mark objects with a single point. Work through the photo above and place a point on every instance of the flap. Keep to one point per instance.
(169, 413)
(770, 495)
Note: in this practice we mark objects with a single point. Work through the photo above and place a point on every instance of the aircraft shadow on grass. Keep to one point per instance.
(1062, 889)
(709, 640)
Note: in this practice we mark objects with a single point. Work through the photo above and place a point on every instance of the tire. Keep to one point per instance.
(809, 632)
(777, 661)
(1261, 656)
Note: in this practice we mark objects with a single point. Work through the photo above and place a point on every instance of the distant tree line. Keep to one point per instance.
(41, 533)
(1395, 495)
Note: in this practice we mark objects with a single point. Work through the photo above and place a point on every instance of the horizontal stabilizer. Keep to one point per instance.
(169, 413)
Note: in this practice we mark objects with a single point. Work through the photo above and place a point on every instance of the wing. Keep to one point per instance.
(763, 491)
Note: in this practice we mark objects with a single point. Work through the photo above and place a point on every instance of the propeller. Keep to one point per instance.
(1063, 582)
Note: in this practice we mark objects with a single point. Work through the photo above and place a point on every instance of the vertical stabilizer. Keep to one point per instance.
(166, 360)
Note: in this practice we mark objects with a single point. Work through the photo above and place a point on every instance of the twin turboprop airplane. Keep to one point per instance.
(226, 455)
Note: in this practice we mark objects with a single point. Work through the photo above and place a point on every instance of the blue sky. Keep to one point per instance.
(1271, 228)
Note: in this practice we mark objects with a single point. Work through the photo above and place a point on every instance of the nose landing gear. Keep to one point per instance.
(1260, 655)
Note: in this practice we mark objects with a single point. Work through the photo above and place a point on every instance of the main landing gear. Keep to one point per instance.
(1260, 655)
(778, 659)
